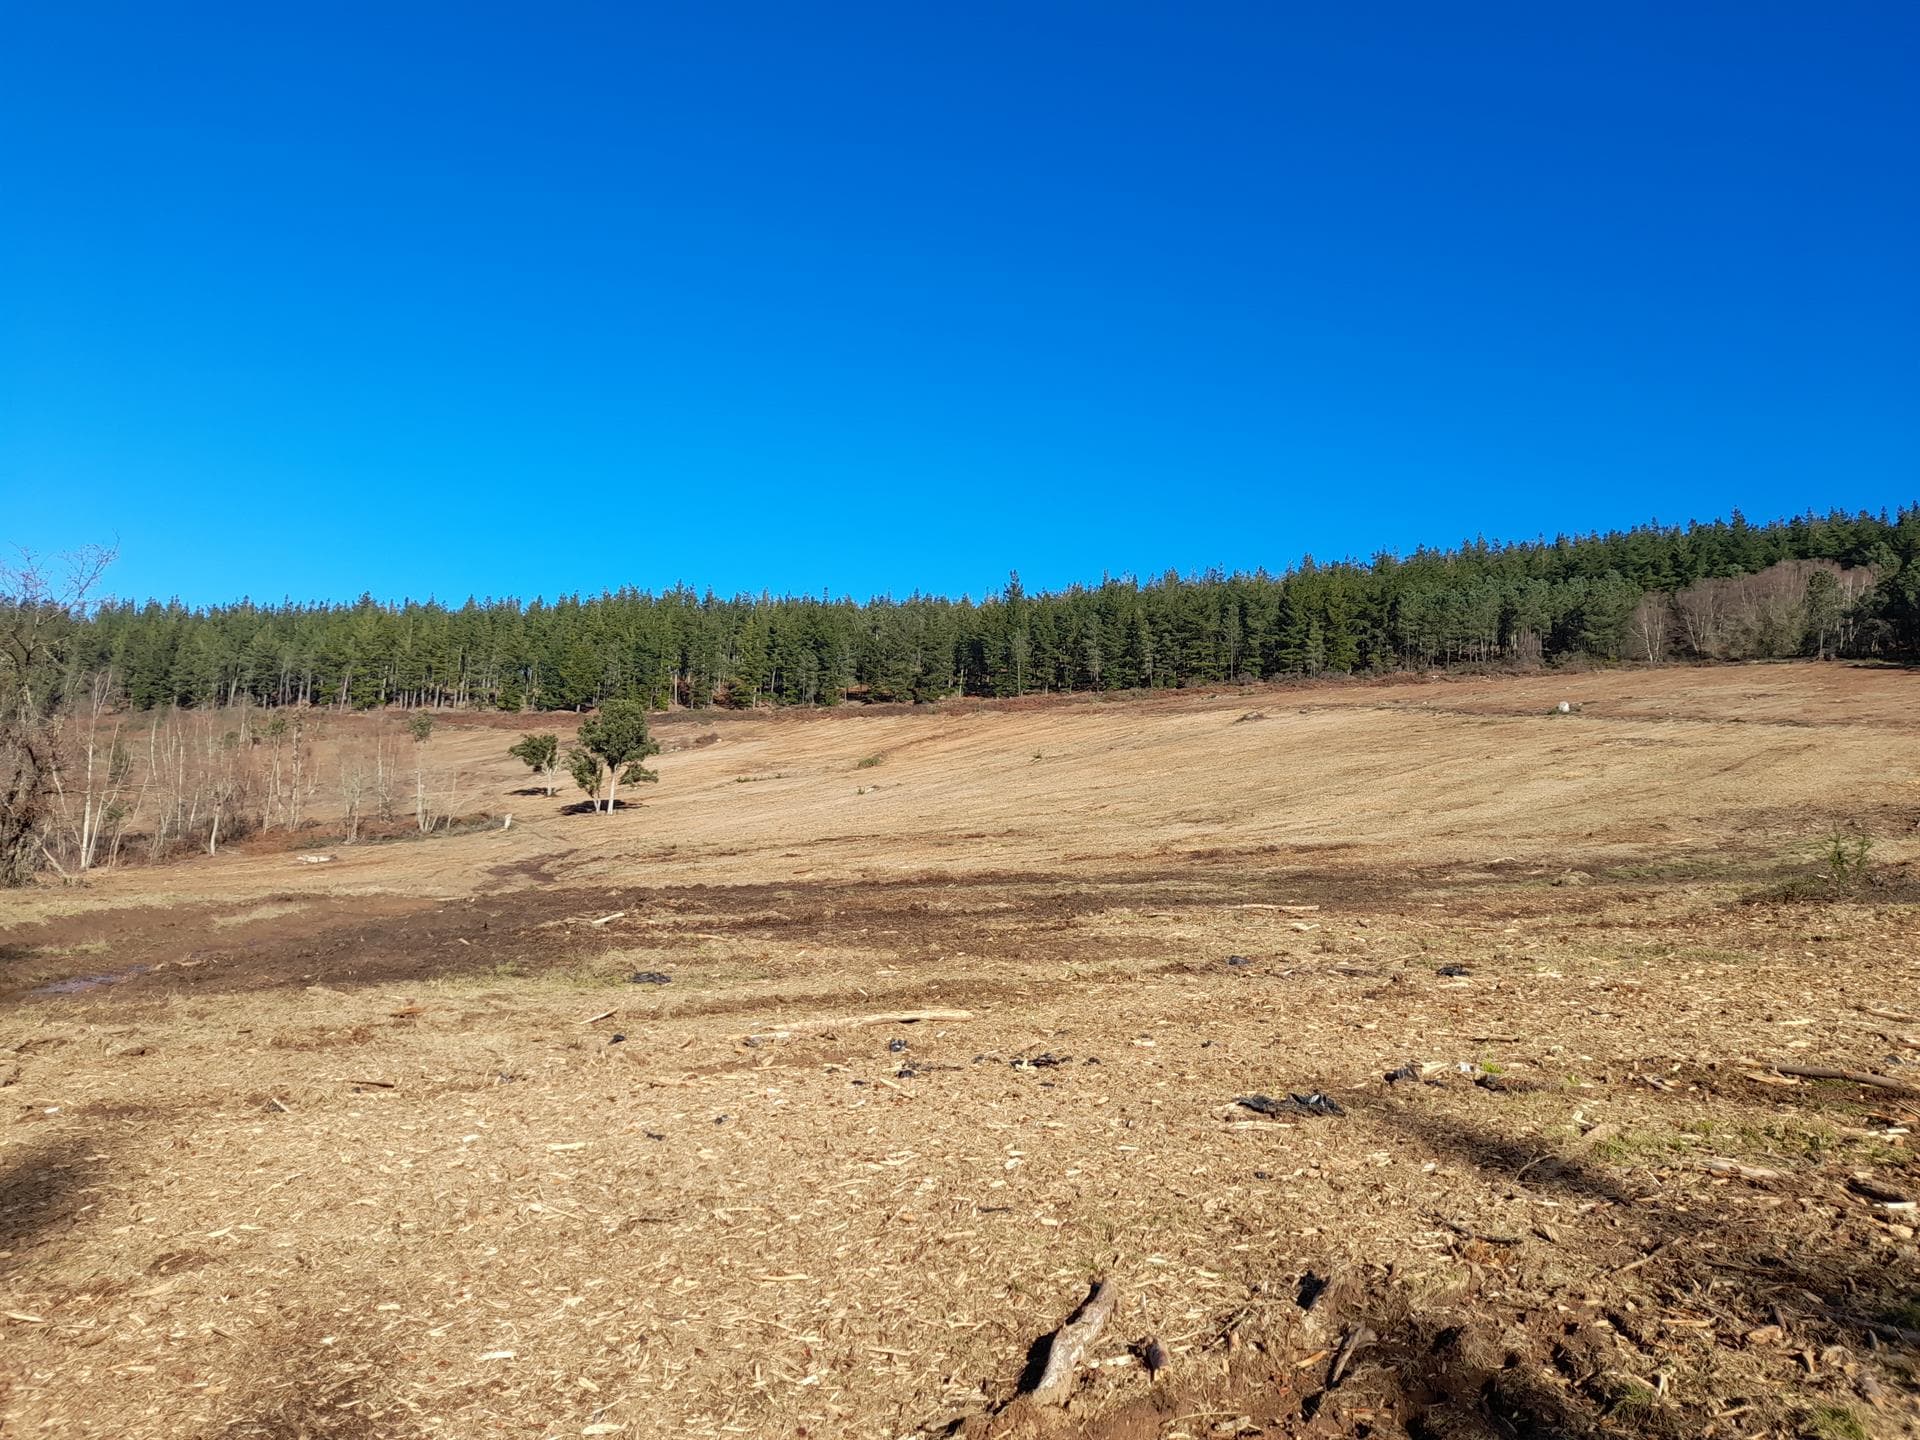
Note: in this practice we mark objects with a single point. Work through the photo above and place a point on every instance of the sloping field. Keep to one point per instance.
(600, 1126)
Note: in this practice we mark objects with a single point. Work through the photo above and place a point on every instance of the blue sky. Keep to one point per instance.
(422, 299)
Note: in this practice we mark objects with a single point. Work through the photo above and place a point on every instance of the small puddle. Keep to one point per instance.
(82, 984)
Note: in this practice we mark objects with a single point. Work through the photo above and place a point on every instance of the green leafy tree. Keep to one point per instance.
(540, 754)
(617, 738)
(587, 771)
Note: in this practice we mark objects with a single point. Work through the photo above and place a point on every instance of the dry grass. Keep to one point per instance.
(744, 1218)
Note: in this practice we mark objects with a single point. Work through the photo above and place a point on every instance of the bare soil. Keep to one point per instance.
(589, 1126)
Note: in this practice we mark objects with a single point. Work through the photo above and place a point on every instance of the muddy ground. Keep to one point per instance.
(598, 1126)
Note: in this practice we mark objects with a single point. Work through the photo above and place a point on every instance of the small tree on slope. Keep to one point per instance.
(617, 737)
(541, 754)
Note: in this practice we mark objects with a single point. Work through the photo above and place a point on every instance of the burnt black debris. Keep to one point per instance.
(1317, 1104)
(1454, 972)
(649, 977)
(1314, 1103)
(1308, 1292)
(895, 1047)
(1153, 1356)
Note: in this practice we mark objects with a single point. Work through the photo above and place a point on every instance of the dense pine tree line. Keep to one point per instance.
(1542, 601)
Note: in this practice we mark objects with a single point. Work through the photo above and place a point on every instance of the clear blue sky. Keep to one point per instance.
(513, 299)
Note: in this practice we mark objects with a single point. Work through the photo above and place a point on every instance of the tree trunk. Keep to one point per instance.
(613, 786)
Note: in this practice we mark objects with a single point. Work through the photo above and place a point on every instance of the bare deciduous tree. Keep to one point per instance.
(36, 618)
(91, 795)
(356, 780)
(1648, 626)
(1766, 615)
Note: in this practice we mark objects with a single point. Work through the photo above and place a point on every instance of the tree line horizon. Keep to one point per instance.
(1833, 585)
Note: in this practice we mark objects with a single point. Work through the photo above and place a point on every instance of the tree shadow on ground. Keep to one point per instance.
(298, 1382)
(41, 1186)
(1807, 1283)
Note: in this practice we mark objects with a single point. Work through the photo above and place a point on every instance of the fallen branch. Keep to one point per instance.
(609, 919)
(1070, 1344)
(1879, 1327)
(596, 1019)
(377, 1084)
(1657, 1250)
(1358, 1336)
(1906, 1017)
(1718, 1166)
(890, 1017)
(1858, 1077)
(1881, 1194)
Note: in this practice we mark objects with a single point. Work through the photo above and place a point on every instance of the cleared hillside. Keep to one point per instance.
(351, 1148)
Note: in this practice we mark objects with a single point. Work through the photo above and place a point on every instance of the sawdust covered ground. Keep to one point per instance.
(352, 1149)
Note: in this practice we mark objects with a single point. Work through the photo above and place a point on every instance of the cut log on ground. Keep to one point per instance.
(1070, 1345)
